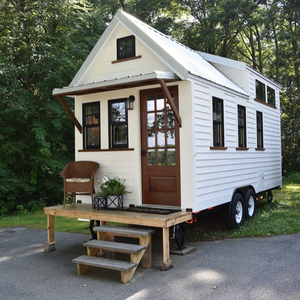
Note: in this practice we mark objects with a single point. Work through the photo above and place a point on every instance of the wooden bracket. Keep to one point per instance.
(170, 101)
(69, 112)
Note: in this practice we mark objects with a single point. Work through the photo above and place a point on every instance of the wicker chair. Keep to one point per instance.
(78, 179)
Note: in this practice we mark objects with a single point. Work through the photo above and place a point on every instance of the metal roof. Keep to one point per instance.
(182, 60)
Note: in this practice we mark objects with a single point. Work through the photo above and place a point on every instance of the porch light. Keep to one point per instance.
(129, 102)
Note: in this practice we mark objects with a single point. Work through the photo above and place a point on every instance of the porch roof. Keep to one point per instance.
(116, 84)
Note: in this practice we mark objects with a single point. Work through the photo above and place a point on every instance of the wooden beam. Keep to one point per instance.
(69, 112)
(171, 102)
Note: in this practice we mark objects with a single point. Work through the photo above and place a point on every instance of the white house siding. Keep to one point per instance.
(219, 172)
(186, 134)
(105, 70)
(114, 163)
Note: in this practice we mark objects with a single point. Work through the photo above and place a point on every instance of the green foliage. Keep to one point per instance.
(282, 216)
(115, 186)
(43, 44)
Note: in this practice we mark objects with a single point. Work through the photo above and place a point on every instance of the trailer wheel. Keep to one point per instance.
(235, 219)
(250, 204)
(270, 197)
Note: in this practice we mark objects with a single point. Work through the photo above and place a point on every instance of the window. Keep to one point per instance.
(126, 47)
(260, 91)
(259, 129)
(118, 125)
(271, 95)
(242, 126)
(261, 95)
(218, 122)
(91, 125)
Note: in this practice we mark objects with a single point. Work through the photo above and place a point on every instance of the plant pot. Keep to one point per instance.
(114, 202)
(100, 202)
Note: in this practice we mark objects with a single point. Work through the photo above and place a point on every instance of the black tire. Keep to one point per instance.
(250, 204)
(269, 197)
(235, 218)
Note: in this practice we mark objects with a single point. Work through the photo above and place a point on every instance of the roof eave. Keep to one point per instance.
(239, 91)
(117, 83)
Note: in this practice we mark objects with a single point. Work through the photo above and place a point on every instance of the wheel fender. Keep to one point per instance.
(243, 191)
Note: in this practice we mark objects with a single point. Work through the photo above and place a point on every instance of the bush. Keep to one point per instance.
(293, 178)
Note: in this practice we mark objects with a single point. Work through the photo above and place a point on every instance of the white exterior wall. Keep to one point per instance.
(219, 172)
(208, 177)
(187, 149)
(107, 71)
(126, 164)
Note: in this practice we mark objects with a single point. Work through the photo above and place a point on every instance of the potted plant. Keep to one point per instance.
(110, 194)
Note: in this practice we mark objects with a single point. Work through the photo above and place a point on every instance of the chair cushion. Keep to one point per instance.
(78, 180)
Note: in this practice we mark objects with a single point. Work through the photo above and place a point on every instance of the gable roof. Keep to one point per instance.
(180, 59)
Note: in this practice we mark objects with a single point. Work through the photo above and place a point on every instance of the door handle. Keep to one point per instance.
(144, 152)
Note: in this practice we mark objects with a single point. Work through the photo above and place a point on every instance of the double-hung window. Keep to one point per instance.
(91, 125)
(259, 129)
(218, 122)
(242, 126)
(260, 91)
(118, 124)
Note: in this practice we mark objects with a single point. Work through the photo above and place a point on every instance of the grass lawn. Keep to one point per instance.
(282, 216)
(39, 221)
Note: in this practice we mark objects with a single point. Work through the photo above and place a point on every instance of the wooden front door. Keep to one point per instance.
(160, 148)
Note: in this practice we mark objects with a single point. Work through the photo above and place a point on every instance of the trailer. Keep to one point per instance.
(187, 130)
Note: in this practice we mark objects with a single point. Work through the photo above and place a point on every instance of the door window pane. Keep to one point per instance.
(171, 138)
(160, 131)
(160, 102)
(150, 103)
(170, 120)
(160, 119)
(150, 121)
(151, 139)
(161, 157)
(151, 157)
(161, 142)
(171, 157)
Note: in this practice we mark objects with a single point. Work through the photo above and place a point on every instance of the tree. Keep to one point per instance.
(42, 44)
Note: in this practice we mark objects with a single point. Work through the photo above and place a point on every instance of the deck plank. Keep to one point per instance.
(115, 246)
(86, 211)
(128, 231)
(104, 263)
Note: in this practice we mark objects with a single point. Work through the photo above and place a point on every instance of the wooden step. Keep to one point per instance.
(124, 231)
(114, 246)
(106, 263)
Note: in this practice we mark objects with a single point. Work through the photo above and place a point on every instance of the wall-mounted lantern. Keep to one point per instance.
(129, 102)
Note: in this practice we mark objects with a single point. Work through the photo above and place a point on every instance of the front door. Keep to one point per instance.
(160, 148)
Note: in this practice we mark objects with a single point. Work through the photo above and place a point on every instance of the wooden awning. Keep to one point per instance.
(118, 84)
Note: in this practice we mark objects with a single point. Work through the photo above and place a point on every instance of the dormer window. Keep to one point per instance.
(126, 47)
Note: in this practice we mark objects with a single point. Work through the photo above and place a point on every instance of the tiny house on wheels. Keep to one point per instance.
(185, 129)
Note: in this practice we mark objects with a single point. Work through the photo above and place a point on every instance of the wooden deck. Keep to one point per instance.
(86, 211)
